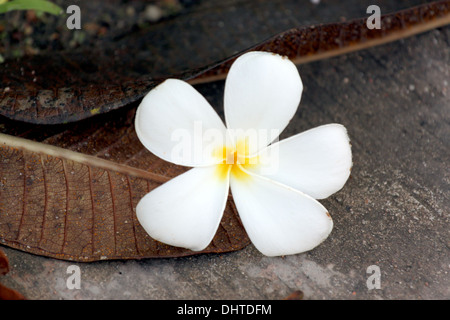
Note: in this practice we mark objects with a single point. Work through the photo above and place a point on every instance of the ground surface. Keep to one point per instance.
(393, 212)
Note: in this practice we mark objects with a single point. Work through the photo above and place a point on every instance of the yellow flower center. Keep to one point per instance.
(234, 158)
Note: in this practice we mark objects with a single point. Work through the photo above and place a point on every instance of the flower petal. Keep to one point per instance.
(176, 123)
(316, 162)
(278, 219)
(185, 211)
(262, 92)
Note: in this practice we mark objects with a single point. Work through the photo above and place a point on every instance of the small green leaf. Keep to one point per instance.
(39, 5)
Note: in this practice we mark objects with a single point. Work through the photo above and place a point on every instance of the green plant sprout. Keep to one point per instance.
(38, 5)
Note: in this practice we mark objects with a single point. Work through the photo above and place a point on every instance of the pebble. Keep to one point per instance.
(153, 13)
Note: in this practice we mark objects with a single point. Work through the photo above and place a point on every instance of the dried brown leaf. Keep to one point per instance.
(10, 294)
(68, 205)
(5, 292)
(296, 295)
(4, 263)
(67, 86)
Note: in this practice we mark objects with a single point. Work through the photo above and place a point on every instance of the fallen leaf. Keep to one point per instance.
(5, 292)
(296, 295)
(4, 264)
(72, 206)
(76, 84)
(9, 294)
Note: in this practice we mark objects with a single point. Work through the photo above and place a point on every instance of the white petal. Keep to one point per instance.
(316, 162)
(185, 211)
(176, 123)
(279, 220)
(262, 92)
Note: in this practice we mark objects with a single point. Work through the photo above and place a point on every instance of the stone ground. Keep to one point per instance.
(393, 213)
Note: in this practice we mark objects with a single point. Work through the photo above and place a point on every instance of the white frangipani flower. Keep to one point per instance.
(274, 184)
